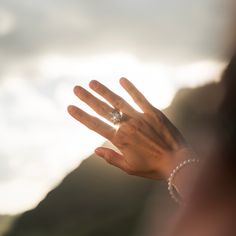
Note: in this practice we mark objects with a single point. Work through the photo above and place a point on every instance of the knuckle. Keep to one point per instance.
(94, 126)
(142, 100)
(131, 129)
(102, 110)
(121, 142)
(138, 122)
(158, 116)
(148, 117)
(162, 119)
(154, 111)
(127, 128)
(157, 112)
(108, 159)
(134, 125)
(130, 172)
(118, 103)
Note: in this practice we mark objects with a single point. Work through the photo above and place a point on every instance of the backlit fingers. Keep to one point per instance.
(100, 107)
(92, 122)
(137, 96)
(115, 100)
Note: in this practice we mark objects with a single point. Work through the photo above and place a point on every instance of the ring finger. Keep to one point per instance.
(100, 107)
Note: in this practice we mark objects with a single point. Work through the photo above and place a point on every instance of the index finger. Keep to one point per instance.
(92, 122)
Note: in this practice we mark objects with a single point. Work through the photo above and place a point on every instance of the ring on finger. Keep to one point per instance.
(116, 117)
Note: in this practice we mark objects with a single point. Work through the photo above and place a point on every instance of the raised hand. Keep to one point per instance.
(149, 144)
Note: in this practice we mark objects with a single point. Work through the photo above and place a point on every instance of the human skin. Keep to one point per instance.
(150, 145)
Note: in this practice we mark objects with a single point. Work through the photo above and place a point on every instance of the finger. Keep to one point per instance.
(97, 105)
(111, 157)
(137, 96)
(116, 101)
(92, 122)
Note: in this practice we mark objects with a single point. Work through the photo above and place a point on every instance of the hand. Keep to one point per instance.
(149, 144)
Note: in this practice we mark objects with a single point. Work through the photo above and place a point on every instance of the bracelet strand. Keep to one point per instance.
(171, 187)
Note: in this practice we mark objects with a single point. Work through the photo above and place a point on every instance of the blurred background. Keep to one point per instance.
(47, 47)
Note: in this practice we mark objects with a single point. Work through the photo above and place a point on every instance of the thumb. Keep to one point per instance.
(111, 156)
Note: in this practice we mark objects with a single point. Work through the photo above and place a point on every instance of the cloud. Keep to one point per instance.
(7, 22)
(168, 30)
(40, 143)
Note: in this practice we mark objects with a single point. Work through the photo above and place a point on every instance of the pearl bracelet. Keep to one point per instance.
(171, 187)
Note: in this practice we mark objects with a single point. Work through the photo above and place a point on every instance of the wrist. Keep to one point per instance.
(181, 180)
(173, 161)
(182, 177)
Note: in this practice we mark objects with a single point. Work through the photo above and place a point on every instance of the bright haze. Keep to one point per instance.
(47, 47)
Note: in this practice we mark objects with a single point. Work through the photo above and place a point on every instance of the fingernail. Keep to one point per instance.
(93, 84)
(99, 151)
(123, 80)
(70, 108)
(77, 88)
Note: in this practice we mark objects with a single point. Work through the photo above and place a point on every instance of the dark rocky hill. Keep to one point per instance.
(5, 222)
(95, 199)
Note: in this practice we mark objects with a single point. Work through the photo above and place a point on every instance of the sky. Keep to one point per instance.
(48, 46)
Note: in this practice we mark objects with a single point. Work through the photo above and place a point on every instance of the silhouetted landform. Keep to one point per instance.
(99, 200)
(5, 222)
(93, 200)
(195, 113)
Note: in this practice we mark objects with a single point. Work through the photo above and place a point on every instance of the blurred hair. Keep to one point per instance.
(227, 115)
(216, 187)
(229, 81)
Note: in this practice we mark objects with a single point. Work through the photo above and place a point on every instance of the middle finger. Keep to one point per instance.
(116, 101)
(100, 107)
